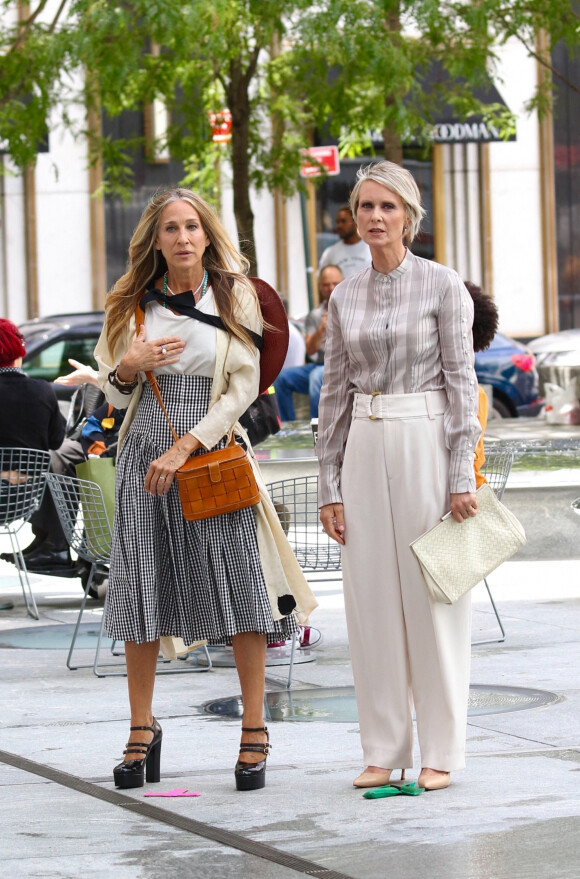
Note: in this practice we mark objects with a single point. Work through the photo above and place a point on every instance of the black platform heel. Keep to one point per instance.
(252, 776)
(132, 773)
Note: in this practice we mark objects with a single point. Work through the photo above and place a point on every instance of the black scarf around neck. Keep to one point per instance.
(184, 303)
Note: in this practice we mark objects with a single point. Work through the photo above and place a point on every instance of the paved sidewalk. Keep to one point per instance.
(514, 812)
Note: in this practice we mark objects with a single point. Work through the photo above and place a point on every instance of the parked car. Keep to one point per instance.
(51, 341)
(557, 357)
(510, 368)
(557, 349)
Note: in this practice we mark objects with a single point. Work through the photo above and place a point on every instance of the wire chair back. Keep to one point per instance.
(23, 480)
(296, 501)
(498, 463)
(83, 515)
(497, 469)
(83, 403)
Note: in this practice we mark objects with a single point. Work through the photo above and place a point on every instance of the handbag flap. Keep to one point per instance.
(228, 455)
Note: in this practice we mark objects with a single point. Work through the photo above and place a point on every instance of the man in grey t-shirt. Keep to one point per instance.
(307, 379)
(350, 254)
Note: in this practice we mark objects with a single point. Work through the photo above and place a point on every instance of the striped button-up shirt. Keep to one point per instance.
(402, 333)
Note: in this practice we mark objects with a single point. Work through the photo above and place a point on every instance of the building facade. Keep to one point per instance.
(500, 213)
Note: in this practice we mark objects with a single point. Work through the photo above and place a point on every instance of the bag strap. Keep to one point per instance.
(156, 390)
(140, 319)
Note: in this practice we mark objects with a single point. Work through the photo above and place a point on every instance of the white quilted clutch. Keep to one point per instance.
(456, 556)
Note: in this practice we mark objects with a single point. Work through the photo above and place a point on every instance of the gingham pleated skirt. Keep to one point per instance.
(168, 576)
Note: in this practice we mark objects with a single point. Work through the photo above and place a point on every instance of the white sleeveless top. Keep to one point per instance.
(198, 357)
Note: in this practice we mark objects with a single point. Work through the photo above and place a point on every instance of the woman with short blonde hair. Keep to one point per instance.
(396, 436)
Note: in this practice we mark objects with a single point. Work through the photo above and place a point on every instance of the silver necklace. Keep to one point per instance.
(202, 286)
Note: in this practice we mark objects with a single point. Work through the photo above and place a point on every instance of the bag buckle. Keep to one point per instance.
(371, 416)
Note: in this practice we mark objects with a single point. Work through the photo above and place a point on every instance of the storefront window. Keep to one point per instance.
(122, 217)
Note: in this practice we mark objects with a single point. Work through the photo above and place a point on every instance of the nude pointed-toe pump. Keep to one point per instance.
(434, 782)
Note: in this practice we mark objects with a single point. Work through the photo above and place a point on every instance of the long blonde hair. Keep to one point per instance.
(224, 264)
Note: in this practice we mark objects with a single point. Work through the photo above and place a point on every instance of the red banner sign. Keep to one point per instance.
(326, 155)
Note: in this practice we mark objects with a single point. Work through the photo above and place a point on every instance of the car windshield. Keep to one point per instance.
(53, 360)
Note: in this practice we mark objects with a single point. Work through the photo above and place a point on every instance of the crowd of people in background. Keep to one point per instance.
(304, 367)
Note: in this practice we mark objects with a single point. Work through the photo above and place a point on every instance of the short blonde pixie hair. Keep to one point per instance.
(399, 181)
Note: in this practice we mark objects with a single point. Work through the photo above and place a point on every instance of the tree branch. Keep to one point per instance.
(252, 64)
(26, 26)
(553, 70)
(57, 15)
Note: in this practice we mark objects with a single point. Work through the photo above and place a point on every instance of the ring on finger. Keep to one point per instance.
(162, 478)
(163, 350)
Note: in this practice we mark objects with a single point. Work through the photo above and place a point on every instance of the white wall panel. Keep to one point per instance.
(264, 232)
(462, 212)
(15, 252)
(472, 271)
(298, 288)
(515, 205)
(63, 227)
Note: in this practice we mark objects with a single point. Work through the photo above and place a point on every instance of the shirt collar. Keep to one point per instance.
(401, 269)
(12, 369)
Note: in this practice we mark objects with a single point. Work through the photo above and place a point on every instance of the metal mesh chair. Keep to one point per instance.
(22, 484)
(496, 470)
(296, 502)
(83, 403)
(83, 514)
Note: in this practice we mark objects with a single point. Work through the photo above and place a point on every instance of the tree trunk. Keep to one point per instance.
(391, 139)
(239, 106)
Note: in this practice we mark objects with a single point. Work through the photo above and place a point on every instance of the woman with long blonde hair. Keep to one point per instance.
(219, 579)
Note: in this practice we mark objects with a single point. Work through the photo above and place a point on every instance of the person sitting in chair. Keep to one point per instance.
(31, 419)
(307, 379)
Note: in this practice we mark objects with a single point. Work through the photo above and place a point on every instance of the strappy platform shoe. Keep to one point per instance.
(252, 776)
(132, 773)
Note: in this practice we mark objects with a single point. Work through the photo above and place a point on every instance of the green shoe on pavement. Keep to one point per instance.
(389, 790)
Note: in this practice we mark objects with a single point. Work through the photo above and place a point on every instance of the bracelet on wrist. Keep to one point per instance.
(119, 384)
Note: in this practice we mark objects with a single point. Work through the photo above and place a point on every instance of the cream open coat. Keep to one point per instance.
(234, 388)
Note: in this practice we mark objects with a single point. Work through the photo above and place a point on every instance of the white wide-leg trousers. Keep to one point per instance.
(405, 648)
